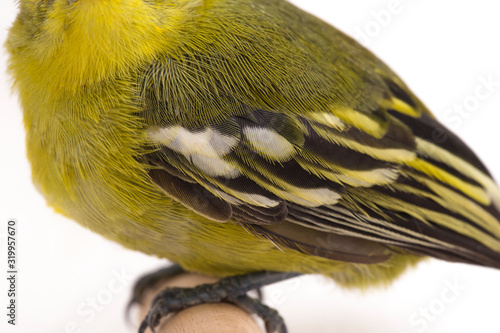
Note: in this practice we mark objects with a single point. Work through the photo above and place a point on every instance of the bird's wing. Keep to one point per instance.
(321, 185)
(334, 158)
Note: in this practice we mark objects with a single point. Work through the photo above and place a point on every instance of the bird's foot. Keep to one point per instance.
(149, 281)
(230, 290)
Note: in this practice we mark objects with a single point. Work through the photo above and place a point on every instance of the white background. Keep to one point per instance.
(441, 49)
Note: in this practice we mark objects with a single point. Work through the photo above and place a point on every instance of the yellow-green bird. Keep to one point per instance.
(242, 136)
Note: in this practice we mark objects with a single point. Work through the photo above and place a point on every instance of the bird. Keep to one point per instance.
(242, 138)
